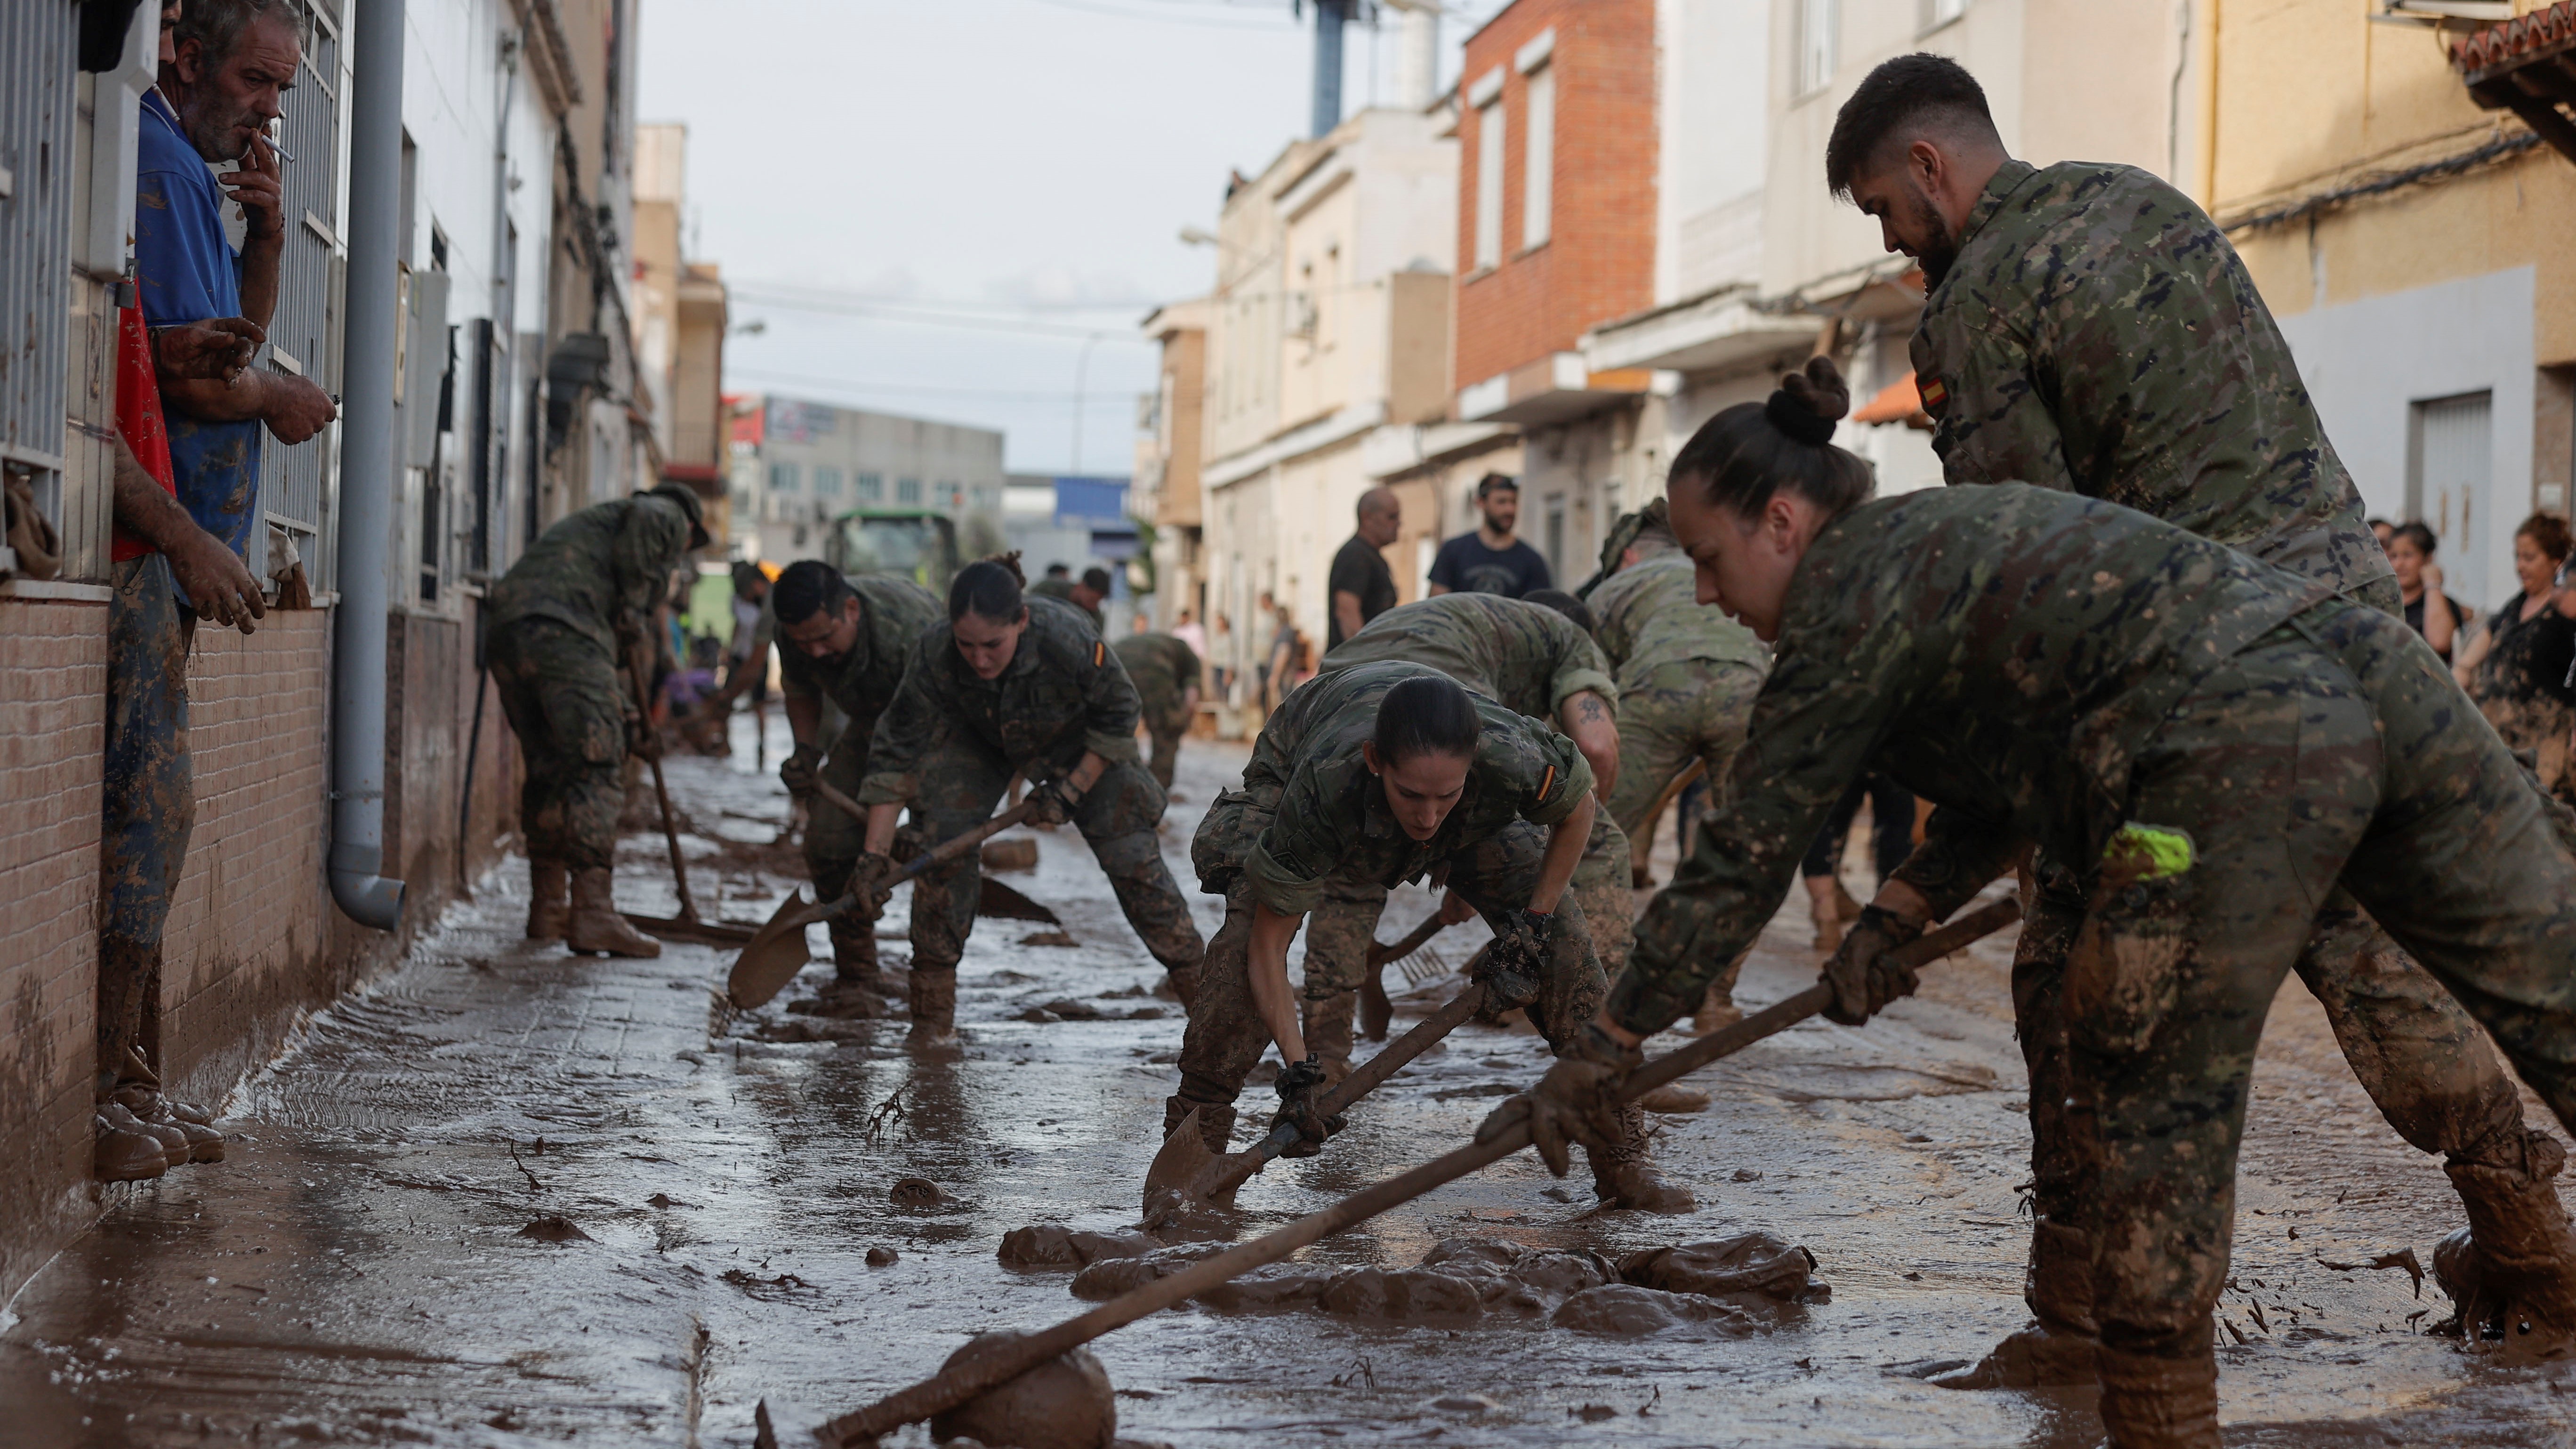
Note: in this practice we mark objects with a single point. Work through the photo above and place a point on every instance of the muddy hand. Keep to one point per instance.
(1299, 1087)
(215, 350)
(868, 882)
(1864, 974)
(1515, 962)
(1051, 803)
(1577, 1101)
(796, 772)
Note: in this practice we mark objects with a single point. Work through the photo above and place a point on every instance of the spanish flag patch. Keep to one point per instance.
(1936, 395)
(1099, 652)
(1547, 782)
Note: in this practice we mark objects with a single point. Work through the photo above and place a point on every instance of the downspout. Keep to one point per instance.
(358, 881)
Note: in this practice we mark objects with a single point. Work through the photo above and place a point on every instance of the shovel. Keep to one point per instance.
(685, 926)
(778, 951)
(993, 899)
(1376, 1011)
(981, 1370)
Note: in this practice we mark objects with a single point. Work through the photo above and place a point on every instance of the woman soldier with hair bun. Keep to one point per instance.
(1012, 683)
(2214, 744)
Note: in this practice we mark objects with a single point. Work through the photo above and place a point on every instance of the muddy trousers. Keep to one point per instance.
(149, 807)
(567, 703)
(961, 782)
(2336, 755)
(1670, 715)
(834, 841)
(1167, 750)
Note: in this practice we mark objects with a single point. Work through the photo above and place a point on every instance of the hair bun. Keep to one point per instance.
(1808, 403)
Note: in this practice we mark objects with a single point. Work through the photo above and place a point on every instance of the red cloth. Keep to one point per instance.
(138, 417)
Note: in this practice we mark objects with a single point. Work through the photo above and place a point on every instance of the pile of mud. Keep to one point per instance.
(1754, 1283)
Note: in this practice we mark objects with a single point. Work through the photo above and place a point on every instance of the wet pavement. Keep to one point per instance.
(379, 1261)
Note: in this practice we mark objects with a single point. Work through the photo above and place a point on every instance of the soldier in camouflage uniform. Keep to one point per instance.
(1056, 706)
(562, 628)
(1165, 672)
(1322, 802)
(1534, 658)
(1084, 593)
(844, 639)
(2220, 743)
(2089, 329)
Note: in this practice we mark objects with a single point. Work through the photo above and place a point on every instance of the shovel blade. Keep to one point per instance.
(997, 901)
(1185, 1166)
(776, 953)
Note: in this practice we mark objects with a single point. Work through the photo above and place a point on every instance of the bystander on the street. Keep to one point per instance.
(1361, 584)
(2516, 666)
(2434, 614)
(1490, 558)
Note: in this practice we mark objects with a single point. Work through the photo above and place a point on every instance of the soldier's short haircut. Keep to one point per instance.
(806, 586)
(1428, 714)
(1750, 451)
(1910, 91)
(1096, 580)
(989, 589)
(218, 25)
(1564, 603)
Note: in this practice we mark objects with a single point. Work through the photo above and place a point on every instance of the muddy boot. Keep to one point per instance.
(2521, 1255)
(595, 924)
(547, 912)
(2057, 1348)
(934, 1006)
(859, 989)
(1327, 1026)
(1216, 1121)
(205, 1144)
(1717, 1009)
(126, 1154)
(174, 1142)
(1825, 901)
(2160, 1403)
(1623, 1178)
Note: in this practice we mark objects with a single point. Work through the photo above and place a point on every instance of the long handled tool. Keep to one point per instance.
(778, 952)
(686, 926)
(1376, 1011)
(992, 898)
(1185, 1164)
(978, 1371)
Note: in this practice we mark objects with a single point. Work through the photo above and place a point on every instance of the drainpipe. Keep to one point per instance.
(358, 881)
(1329, 17)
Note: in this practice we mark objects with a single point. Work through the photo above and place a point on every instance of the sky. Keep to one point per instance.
(961, 210)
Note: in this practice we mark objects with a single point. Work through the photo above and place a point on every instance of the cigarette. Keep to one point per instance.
(282, 153)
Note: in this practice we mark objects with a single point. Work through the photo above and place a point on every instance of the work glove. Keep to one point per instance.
(1864, 977)
(1301, 1086)
(642, 739)
(1516, 960)
(797, 771)
(1052, 803)
(1577, 1101)
(869, 882)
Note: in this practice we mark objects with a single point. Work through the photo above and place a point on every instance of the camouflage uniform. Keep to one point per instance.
(1687, 678)
(893, 612)
(949, 743)
(2048, 669)
(1164, 670)
(1529, 659)
(2097, 334)
(553, 625)
(1311, 815)
(1061, 590)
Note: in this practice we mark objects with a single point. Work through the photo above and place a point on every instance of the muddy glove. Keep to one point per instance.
(1577, 1101)
(1863, 976)
(642, 739)
(870, 882)
(1300, 1088)
(1516, 961)
(1052, 803)
(797, 771)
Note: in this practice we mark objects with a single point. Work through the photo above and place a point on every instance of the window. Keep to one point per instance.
(1538, 157)
(870, 488)
(1817, 21)
(951, 497)
(1489, 184)
(827, 482)
(1555, 535)
(1937, 13)
(907, 490)
(782, 477)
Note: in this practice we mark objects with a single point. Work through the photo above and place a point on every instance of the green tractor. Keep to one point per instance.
(914, 543)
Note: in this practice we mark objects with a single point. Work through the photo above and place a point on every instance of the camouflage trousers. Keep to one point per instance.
(1672, 714)
(1166, 722)
(148, 793)
(566, 702)
(1226, 1036)
(833, 841)
(2337, 753)
(961, 782)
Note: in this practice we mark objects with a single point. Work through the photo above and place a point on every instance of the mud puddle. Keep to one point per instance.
(362, 1269)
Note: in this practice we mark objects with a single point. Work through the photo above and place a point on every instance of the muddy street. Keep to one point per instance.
(503, 1196)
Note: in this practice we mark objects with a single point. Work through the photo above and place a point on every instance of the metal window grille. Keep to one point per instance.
(296, 484)
(38, 46)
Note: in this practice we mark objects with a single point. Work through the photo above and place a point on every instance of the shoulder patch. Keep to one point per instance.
(1099, 653)
(1547, 782)
(1936, 395)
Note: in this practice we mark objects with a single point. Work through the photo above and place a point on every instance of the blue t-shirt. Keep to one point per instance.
(190, 273)
(1465, 566)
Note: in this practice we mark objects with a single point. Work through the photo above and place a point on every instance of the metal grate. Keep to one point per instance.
(39, 43)
(295, 482)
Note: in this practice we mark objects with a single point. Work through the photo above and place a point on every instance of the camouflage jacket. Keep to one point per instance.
(2098, 334)
(607, 565)
(893, 612)
(1649, 614)
(2005, 652)
(1062, 592)
(1062, 693)
(1528, 657)
(1158, 663)
(1326, 815)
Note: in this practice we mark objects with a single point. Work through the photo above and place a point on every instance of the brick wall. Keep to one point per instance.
(53, 719)
(1599, 260)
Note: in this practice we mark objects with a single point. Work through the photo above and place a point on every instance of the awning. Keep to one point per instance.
(2527, 66)
(1898, 402)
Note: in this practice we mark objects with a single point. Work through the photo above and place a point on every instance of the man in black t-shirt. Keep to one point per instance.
(1361, 584)
(1490, 560)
